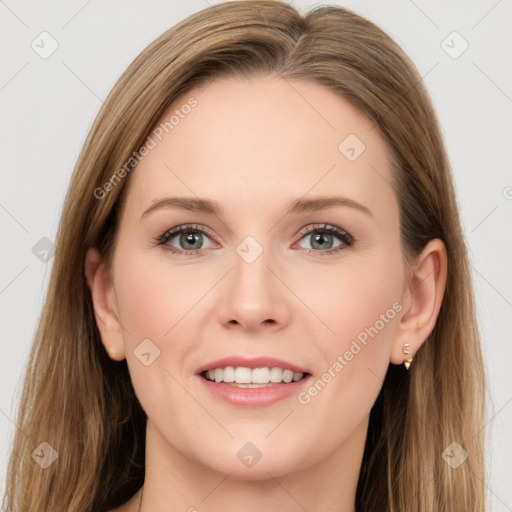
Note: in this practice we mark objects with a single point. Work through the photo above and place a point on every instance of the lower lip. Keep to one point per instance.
(253, 397)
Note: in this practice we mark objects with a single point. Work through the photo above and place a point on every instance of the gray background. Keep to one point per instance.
(48, 105)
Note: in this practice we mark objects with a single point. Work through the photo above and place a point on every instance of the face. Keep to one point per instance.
(264, 273)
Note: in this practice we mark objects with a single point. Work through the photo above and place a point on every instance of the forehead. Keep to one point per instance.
(263, 141)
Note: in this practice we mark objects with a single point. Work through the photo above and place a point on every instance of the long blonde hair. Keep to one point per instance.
(83, 404)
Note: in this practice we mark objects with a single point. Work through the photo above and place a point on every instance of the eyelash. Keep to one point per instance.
(346, 239)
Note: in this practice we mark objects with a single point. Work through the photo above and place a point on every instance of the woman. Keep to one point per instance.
(261, 365)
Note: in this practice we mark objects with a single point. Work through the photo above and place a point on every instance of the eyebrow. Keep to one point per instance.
(208, 206)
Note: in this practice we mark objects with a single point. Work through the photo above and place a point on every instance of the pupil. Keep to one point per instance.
(191, 238)
(321, 237)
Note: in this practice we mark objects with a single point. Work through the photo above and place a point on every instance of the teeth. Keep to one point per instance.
(248, 376)
(242, 375)
(228, 374)
(276, 375)
(260, 375)
(287, 376)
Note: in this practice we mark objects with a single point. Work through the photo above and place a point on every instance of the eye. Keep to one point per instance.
(188, 239)
(325, 239)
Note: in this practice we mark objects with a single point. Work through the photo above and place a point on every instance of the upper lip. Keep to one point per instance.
(251, 362)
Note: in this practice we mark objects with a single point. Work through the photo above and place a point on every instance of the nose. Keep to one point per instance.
(254, 298)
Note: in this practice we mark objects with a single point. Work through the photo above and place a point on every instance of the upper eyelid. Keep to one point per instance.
(324, 226)
(184, 227)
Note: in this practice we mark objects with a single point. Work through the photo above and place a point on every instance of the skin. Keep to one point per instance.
(254, 146)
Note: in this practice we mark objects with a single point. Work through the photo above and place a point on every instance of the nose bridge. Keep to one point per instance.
(251, 276)
(254, 295)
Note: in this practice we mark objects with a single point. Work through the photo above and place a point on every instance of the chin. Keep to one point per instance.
(259, 459)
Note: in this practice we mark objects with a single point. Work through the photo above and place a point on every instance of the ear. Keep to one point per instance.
(422, 298)
(104, 304)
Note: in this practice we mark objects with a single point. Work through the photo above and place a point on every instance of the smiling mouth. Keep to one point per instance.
(243, 377)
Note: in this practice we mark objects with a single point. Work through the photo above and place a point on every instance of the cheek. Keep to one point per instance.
(154, 297)
(151, 300)
(157, 302)
(362, 308)
(356, 304)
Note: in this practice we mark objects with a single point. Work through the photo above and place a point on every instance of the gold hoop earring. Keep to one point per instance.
(406, 349)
